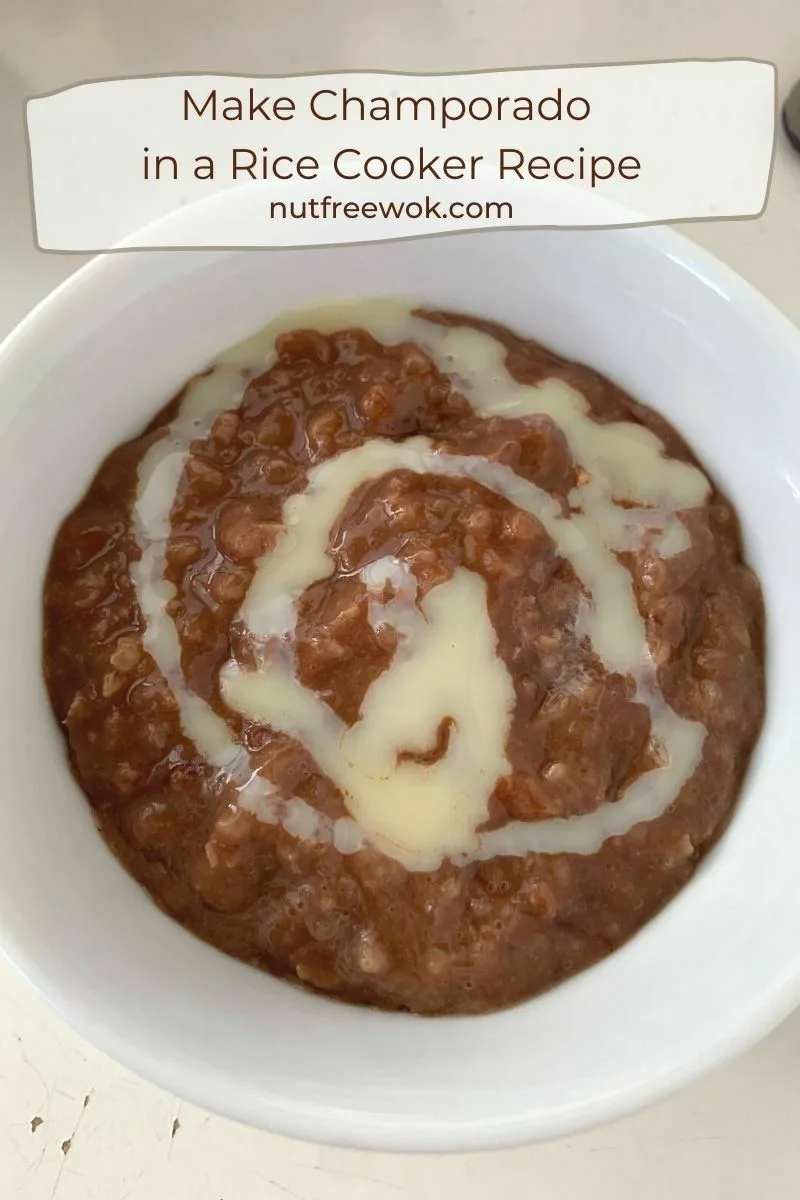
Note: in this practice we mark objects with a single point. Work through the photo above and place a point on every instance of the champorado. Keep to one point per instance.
(406, 660)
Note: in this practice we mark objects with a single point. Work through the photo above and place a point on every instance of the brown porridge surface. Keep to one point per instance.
(361, 927)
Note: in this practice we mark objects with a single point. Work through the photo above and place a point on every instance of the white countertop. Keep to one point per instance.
(75, 1126)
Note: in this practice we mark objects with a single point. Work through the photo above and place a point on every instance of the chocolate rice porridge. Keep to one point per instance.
(406, 660)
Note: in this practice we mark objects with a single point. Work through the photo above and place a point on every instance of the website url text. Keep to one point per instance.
(326, 208)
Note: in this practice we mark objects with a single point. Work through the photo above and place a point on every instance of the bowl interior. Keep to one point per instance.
(715, 969)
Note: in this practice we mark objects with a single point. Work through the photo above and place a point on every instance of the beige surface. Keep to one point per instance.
(727, 1136)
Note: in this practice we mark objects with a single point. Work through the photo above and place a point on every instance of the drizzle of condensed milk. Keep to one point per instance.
(446, 663)
(160, 472)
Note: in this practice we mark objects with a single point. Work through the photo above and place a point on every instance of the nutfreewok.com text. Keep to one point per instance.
(325, 208)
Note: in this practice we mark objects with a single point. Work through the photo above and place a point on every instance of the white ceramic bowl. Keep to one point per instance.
(711, 974)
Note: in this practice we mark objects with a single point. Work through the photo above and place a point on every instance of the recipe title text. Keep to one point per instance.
(298, 160)
(351, 162)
